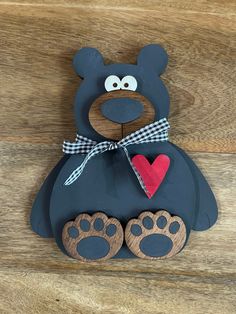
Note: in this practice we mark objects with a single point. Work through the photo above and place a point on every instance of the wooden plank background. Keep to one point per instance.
(37, 86)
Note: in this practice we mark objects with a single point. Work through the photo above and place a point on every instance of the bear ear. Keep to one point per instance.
(87, 61)
(153, 56)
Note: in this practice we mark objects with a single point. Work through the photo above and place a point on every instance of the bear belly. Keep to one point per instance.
(108, 184)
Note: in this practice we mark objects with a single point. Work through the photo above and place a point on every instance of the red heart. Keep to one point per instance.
(151, 174)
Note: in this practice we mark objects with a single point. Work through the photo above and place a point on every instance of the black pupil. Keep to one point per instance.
(115, 85)
(126, 85)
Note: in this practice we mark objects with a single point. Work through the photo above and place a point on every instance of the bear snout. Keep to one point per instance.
(118, 113)
(122, 110)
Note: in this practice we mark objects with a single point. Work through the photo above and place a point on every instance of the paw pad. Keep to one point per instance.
(156, 235)
(95, 237)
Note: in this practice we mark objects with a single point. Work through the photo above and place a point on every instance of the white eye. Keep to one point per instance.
(112, 82)
(129, 82)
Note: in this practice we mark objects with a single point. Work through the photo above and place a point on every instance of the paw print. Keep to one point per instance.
(156, 235)
(95, 237)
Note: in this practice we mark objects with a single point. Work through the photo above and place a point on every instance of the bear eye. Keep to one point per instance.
(129, 82)
(112, 82)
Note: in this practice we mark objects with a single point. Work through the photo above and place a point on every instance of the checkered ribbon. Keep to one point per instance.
(155, 132)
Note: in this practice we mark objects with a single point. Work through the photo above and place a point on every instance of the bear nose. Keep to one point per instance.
(122, 110)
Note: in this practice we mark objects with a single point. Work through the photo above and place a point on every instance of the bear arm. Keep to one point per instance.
(39, 219)
(206, 202)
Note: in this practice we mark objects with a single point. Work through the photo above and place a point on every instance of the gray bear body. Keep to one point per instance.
(108, 183)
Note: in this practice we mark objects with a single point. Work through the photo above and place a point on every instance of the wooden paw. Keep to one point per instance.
(155, 236)
(95, 237)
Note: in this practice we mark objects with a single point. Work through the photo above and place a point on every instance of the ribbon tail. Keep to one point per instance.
(73, 177)
(78, 171)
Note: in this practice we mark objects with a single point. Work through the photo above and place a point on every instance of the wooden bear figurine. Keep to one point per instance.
(122, 189)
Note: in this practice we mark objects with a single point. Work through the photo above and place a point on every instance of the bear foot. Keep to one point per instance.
(95, 237)
(155, 236)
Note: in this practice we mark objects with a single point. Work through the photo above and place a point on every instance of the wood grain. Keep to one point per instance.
(115, 293)
(37, 89)
(202, 6)
(178, 238)
(38, 83)
(114, 240)
(35, 275)
(114, 130)
(22, 169)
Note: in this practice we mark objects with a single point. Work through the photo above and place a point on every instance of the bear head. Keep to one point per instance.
(117, 99)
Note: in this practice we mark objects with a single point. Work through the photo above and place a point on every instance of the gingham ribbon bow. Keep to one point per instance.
(154, 132)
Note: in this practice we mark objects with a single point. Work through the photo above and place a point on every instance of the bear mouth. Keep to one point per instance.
(118, 113)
